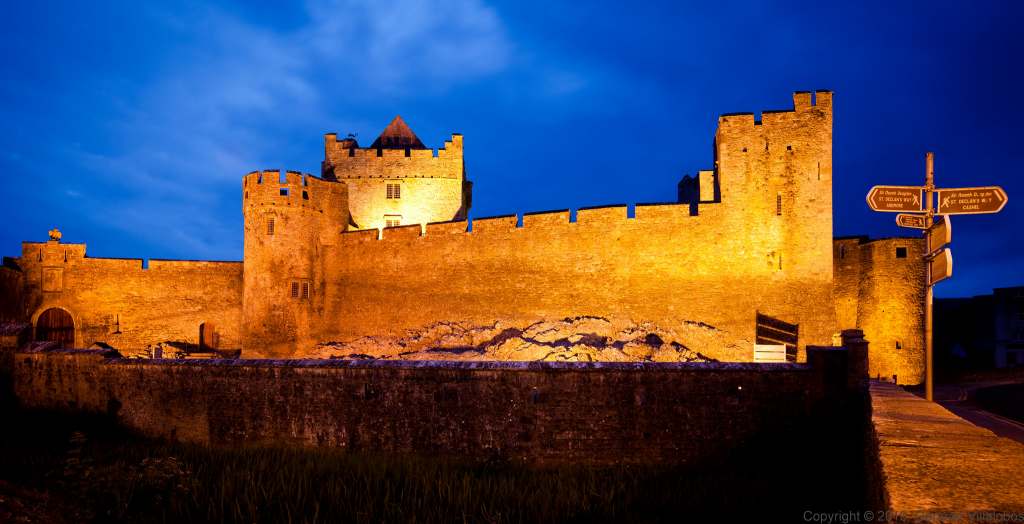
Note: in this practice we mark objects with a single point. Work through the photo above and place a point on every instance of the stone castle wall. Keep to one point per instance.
(763, 246)
(120, 302)
(883, 295)
(754, 237)
(537, 413)
(663, 266)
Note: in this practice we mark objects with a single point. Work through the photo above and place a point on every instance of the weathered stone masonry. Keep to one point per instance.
(537, 413)
(752, 234)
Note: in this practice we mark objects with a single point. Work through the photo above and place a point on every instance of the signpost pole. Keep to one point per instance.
(929, 187)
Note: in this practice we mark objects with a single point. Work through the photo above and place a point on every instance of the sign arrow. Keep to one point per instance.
(971, 200)
(896, 199)
(911, 221)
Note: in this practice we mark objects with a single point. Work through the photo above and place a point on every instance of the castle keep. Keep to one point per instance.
(379, 245)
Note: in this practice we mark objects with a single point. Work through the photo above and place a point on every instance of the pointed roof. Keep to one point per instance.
(397, 136)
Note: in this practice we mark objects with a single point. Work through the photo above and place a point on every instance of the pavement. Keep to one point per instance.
(938, 467)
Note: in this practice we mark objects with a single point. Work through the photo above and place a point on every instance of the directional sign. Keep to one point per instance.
(896, 199)
(971, 200)
(941, 266)
(912, 221)
(940, 234)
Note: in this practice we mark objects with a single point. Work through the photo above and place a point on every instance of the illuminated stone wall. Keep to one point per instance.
(766, 246)
(757, 239)
(663, 266)
(433, 183)
(539, 413)
(290, 223)
(883, 295)
(119, 302)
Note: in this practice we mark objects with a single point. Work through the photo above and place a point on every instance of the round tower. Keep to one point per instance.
(891, 308)
(288, 220)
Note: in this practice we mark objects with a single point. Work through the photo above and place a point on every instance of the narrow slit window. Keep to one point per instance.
(295, 290)
(778, 204)
(901, 252)
(842, 251)
(270, 226)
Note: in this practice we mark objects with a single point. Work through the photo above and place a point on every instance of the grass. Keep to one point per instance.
(94, 471)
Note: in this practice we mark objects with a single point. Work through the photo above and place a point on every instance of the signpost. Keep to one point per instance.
(895, 199)
(940, 267)
(938, 234)
(914, 221)
(971, 200)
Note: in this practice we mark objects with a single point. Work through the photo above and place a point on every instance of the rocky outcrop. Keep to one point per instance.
(576, 339)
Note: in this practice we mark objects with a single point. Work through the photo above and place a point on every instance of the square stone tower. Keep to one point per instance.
(398, 180)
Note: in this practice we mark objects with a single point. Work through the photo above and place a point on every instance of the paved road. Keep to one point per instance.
(960, 400)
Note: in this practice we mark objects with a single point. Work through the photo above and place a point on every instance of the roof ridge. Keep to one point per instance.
(397, 135)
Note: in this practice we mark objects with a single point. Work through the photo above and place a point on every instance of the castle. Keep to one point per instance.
(379, 244)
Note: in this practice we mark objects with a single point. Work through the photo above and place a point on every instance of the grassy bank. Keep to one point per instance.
(88, 469)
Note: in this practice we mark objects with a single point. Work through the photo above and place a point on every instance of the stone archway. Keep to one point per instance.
(56, 325)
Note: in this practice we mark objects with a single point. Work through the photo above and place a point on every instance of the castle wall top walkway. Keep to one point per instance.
(940, 468)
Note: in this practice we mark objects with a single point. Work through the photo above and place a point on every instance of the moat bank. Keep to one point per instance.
(44, 456)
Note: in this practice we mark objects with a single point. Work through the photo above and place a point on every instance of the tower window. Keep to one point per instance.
(295, 290)
(270, 226)
(305, 195)
(899, 345)
(901, 252)
(778, 204)
(842, 251)
(394, 191)
(284, 191)
(305, 290)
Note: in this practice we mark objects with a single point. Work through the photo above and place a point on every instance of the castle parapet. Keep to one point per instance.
(345, 159)
(292, 189)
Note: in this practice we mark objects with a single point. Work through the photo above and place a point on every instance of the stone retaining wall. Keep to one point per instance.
(537, 412)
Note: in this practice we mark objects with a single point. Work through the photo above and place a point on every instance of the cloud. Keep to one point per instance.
(224, 101)
(410, 44)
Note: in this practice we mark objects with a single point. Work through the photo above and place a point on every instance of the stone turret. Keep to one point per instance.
(288, 221)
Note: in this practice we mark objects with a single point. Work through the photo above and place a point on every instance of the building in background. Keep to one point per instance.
(981, 332)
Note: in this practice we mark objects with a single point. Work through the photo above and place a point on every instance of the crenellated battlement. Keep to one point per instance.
(345, 159)
(291, 189)
(554, 223)
(803, 101)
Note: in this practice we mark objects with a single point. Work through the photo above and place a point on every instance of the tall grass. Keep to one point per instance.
(106, 474)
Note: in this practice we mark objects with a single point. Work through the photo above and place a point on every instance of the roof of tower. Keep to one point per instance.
(397, 136)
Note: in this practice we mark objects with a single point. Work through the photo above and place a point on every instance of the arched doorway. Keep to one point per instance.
(209, 339)
(56, 325)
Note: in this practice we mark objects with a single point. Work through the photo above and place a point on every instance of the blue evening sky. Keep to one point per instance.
(129, 125)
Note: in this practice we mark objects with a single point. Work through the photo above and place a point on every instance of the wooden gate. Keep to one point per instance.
(774, 331)
(209, 339)
(56, 325)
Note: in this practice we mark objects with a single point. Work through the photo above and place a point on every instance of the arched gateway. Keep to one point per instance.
(56, 325)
